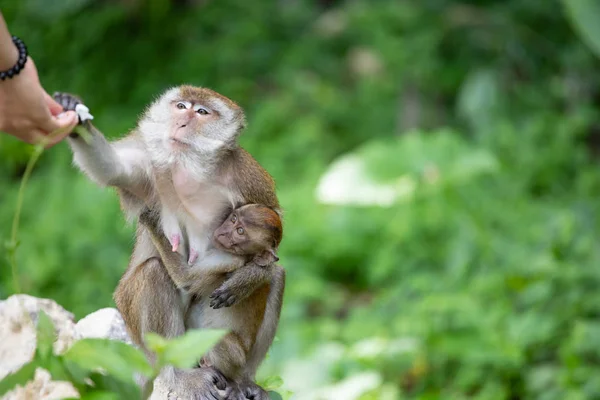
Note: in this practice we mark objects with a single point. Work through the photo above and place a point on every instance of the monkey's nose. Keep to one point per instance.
(183, 126)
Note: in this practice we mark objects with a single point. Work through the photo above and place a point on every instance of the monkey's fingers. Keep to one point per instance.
(255, 392)
(220, 389)
(70, 102)
(66, 100)
(221, 298)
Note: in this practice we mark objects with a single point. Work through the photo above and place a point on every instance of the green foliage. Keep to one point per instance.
(105, 369)
(585, 14)
(184, 351)
(478, 280)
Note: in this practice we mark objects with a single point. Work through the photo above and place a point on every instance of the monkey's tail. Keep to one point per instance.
(268, 328)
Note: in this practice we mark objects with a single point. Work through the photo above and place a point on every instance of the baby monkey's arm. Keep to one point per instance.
(241, 284)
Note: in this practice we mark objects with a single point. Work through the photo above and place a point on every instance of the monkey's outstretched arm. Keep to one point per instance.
(121, 163)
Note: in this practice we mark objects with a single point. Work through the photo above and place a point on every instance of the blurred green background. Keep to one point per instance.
(437, 161)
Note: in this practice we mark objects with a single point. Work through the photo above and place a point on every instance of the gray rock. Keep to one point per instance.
(104, 323)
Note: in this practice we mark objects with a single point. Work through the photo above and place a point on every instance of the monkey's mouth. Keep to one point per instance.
(178, 142)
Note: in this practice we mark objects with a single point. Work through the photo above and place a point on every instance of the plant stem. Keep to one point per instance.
(37, 152)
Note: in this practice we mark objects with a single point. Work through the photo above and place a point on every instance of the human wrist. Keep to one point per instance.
(9, 55)
(18, 65)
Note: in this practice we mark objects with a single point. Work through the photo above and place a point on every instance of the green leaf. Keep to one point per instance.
(58, 370)
(45, 335)
(272, 383)
(117, 358)
(584, 15)
(155, 342)
(100, 396)
(20, 377)
(274, 395)
(184, 351)
(108, 384)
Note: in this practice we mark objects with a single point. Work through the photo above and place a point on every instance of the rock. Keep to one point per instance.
(43, 388)
(18, 319)
(104, 323)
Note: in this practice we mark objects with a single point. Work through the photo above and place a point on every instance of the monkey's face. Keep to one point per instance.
(190, 124)
(238, 236)
(189, 120)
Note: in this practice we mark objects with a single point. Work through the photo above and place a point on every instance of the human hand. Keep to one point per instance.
(29, 113)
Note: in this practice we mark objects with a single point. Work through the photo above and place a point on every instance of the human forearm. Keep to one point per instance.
(8, 51)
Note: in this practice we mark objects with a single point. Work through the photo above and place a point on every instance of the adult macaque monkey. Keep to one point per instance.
(182, 159)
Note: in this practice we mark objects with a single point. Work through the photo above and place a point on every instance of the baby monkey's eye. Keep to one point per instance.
(240, 231)
(233, 218)
(181, 106)
(202, 111)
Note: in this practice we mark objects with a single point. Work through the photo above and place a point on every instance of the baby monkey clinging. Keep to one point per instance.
(253, 231)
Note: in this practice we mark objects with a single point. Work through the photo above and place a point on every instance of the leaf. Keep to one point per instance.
(584, 15)
(184, 351)
(155, 342)
(100, 396)
(45, 335)
(274, 395)
(117, 358)
(272, 383)
(108, 384)
(20, 377)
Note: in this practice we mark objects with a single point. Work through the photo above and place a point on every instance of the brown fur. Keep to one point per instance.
(243, 174)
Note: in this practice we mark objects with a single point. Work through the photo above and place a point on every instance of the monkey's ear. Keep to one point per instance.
(266, 257)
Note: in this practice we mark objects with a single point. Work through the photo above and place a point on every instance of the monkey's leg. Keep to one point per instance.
(240, 284)
(229, 355)
(268, 327)
(149, 302)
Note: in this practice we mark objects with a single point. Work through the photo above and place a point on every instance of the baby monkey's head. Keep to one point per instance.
(251, 230)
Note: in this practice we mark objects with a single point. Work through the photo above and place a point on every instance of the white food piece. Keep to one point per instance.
(83, 112)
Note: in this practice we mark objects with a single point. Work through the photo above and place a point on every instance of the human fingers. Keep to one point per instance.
(53, 106)
(65, 123)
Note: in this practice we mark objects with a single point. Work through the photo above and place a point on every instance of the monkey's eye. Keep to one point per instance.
(233, 218)
(181, 106)
(202, 111)
(240, 231)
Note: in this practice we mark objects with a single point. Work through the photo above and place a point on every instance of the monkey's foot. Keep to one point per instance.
(203, 384)
(252, 391)
(193, 256)
(222, 297)
(175, 240)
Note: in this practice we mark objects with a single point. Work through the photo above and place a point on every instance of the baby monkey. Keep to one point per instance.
(254, 232)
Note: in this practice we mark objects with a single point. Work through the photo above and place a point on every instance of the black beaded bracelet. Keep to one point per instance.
(16, 69)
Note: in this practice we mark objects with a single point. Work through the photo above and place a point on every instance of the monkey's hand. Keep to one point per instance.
(223, 296)
(240, 284)
(71, 102)
(251, 390)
